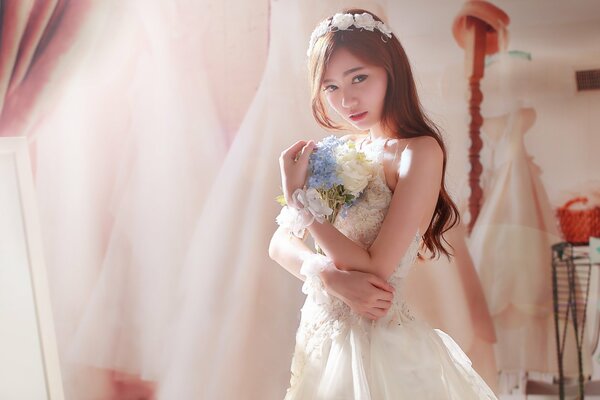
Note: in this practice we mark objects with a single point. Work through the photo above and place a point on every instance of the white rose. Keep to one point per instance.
(319, 31)
(322, 28)
(354, 169)
(365, 21)
(384, 29)
(342, 21)
(355, 177)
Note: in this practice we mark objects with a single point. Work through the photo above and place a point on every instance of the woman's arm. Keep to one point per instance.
(289, 252)
(419, 179)
(364, 293)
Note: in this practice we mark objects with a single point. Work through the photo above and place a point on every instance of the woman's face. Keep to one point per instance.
(355, 90)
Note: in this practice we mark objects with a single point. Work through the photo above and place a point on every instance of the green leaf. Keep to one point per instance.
(281, 200)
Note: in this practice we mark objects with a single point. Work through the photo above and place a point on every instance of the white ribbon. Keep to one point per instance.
(311, 207)
(311, 200)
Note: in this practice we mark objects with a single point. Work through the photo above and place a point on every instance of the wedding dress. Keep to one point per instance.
(170, 150)
(510, 245)
(342, 355)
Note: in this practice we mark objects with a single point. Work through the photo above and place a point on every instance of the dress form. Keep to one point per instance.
(510, 245)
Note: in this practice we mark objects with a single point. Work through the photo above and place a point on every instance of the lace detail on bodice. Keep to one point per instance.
(361, 223)
(325, 317)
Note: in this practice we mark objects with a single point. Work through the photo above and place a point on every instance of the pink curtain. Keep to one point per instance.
(36, 35)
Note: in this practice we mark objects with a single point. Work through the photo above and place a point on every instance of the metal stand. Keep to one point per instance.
(571, 270)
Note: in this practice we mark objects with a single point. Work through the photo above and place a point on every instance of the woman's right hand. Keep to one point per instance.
(366, 294)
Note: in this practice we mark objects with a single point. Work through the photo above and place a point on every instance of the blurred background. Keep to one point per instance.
(154, 129)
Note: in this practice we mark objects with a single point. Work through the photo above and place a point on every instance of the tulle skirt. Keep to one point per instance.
(340, 355)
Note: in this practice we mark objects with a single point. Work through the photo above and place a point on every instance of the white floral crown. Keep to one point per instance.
(342, 22)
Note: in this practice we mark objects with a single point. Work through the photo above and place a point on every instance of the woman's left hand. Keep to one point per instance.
(293, 163)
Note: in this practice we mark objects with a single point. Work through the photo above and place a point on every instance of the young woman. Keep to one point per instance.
(357, 338)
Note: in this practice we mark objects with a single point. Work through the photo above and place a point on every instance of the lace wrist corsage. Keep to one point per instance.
(314, 264)
(307, 206)
(311, 267)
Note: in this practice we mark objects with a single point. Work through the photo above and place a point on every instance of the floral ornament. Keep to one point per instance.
(337, 175)
(312, 207)
(365, 21)
(342, 22)
(353, 167)
(311, 267)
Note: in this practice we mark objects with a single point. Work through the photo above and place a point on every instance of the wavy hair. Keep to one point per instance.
(402, 114)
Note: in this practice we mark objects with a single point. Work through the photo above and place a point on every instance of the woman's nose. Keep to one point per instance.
(349, 100)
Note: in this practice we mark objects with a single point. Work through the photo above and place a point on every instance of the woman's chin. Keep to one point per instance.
(360, 125)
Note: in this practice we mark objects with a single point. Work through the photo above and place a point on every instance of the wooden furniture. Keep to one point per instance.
(476, 29)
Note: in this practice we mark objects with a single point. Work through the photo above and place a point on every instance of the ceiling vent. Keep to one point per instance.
(588, 79)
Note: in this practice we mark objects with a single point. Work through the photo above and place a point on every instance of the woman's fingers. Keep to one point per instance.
(385, 295)
(381, 284)
(300, 149)
(371, 316)
(307, 149)
(375, 313)
(383, 304)
(290, 153)
(294, 149)
(304, 154)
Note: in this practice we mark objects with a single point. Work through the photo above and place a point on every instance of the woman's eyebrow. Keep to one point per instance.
(351, 70)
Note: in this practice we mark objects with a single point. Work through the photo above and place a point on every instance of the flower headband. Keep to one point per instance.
(342, 22)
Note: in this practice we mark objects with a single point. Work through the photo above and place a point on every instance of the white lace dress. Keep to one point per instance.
(340, 355)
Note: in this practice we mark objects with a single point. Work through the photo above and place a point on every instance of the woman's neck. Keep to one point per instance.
(377, 132)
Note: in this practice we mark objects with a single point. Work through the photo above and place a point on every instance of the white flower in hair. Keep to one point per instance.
(321, 29)
(365, 21)
(342, 21)
(383, 28)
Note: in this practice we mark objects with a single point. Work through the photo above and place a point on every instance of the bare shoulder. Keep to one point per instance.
(425, 148)
(421, 155)
(419, 147)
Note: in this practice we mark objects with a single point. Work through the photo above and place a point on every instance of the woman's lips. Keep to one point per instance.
(358, 117)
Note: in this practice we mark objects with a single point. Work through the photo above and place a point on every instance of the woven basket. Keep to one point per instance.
(578, 225)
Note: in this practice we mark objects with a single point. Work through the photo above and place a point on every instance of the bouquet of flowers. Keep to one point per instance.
(337, 175)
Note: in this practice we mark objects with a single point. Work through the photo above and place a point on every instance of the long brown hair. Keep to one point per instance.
(402, 112)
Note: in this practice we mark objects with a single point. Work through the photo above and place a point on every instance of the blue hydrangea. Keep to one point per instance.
(322, 164)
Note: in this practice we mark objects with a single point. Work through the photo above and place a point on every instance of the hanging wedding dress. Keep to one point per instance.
(77, 143)
(170, 152)
(510, 244)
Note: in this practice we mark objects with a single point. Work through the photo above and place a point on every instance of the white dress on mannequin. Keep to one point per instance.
(510, 244)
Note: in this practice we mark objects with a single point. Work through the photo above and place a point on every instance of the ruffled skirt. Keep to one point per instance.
(341, 356)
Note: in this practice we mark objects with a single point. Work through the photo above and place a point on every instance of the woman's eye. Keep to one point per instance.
(329, 88)
(359, 78)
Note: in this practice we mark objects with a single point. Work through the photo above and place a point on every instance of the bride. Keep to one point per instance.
(357, 338)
